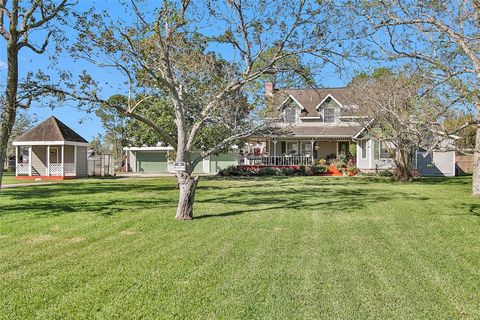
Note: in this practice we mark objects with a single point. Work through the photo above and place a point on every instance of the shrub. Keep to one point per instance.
(319, 169)
(367, 174)
(288, 171)
(303, 170)
(267, 171)
(352, 169)
(322, 162)
(385, 173)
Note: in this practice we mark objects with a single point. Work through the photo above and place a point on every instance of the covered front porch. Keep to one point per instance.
(293, 151)
(51, 161)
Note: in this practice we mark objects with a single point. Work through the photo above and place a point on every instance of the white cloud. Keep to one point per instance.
(3, 65)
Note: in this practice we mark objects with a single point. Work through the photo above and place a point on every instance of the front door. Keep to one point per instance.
(343, 149)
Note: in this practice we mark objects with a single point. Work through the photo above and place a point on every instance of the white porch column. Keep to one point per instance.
(47, 171)
(16, 160)
(30, 161)
(63, 157)
(75, 159)
(126, 159)
(313, 150)
(274, 151)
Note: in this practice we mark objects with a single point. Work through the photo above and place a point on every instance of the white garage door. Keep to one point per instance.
(436, 164)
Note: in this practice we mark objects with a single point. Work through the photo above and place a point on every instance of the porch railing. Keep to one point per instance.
(57, 169)
(23, 168)
(275, 160)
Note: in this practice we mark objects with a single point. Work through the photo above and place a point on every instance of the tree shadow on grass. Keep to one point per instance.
(321, 200)
(104, 208)
(104, 199)
(297, 195)
(80, 189)
(463, 180)
(468, 209)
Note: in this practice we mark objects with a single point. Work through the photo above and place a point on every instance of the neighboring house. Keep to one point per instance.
(51, 151)
(319, 124)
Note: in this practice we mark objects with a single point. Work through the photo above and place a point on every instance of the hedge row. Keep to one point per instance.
(238, 171)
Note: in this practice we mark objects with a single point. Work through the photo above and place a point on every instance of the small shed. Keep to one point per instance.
(51, 151)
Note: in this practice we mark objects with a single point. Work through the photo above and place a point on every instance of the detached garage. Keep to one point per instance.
(156, 160)
(152, 162)
(437, 163)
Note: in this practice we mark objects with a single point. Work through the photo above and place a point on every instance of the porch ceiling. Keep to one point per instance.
(49, 143)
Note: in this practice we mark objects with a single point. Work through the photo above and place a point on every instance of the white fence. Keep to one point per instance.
(275, 160)
(101, 165)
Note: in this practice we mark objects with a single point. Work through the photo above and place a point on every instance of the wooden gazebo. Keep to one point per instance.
(51, 151)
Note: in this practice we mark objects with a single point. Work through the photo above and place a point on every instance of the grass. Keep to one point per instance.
(269, 248)
(9, 178)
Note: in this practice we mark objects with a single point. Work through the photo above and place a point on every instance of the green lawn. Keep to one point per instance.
(271, 248)
(9, 178)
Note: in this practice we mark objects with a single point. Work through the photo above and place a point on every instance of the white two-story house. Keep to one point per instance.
(323, 124)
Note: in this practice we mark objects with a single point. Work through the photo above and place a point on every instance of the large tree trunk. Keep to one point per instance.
(403, 171)
(187, 185)
(476, 165)
(9, 112)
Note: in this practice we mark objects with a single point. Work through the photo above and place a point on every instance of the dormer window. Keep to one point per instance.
(328, 109)
(329, 115)
(290, 115)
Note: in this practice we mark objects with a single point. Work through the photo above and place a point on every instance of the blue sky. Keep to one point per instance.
(88, 125)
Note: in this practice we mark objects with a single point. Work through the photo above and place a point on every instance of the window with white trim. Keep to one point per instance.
(380, 150)
(290, 115)
(329, 115)
(363, 146)
(292, 147)
(384, 154)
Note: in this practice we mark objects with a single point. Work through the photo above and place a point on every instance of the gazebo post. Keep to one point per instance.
(75, 159)
(47, 171)
(16, 161)
(126, 160)
(63, 165)
(30, 161)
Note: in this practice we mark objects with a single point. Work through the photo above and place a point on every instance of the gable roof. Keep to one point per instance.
(310, 99)
(51, 129)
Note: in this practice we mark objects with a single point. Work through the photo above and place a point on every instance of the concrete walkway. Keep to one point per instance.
(7, 186)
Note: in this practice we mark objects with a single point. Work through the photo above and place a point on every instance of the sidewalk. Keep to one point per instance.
(7, 186)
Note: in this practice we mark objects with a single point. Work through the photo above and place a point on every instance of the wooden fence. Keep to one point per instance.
(465, 164)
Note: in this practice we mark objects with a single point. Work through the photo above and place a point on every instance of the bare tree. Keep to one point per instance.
(207, 58)
(19, 21)
(441, 38)
(401, 113)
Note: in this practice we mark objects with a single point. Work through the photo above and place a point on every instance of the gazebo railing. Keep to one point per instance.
(23, 168)
(55, 169)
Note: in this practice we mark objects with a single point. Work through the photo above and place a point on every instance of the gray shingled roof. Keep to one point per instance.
(325, 131)
(51, 129)
(310, 98)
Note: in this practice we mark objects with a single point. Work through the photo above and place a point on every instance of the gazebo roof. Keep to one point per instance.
(50, 130)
